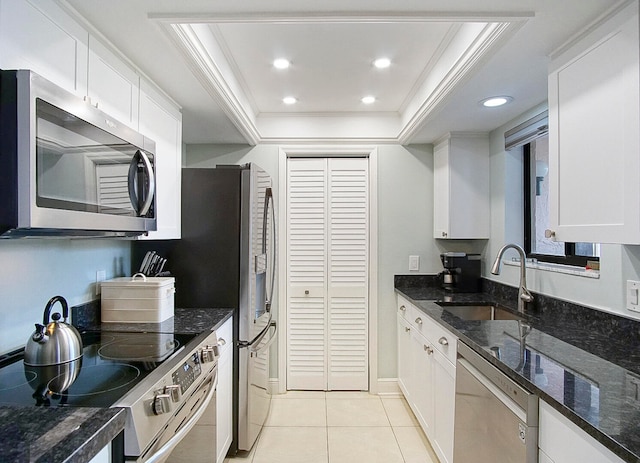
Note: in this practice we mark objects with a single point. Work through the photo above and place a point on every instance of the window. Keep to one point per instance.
(536, 212)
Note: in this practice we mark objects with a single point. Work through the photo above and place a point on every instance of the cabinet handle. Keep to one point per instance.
(419, 321)
(306, 292)
(403, 308)
(221, 342)
(443, 341)
(550, 234)
(428, 349)
(406, 329)
(444, 234)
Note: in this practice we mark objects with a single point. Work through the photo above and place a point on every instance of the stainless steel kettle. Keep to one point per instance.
(53, 342)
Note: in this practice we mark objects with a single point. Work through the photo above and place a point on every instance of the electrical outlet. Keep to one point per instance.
(633, 290)
(414, 263)
(101, 275)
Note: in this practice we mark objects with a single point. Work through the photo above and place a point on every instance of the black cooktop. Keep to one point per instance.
(112, 364)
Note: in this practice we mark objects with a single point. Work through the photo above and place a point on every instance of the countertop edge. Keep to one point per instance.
(606, 440)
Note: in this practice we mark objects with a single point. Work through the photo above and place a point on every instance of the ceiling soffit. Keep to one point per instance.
(464, 41)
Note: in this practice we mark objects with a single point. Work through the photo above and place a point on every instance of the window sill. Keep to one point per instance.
(557, 268)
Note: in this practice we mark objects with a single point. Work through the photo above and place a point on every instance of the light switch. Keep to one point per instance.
(633, 287)
(414, 263)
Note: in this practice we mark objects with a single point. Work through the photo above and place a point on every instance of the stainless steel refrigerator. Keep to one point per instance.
(226, 258)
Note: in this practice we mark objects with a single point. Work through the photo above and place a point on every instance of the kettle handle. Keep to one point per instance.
(47, 309)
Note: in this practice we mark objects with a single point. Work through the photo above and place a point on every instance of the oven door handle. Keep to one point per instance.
(163, 452)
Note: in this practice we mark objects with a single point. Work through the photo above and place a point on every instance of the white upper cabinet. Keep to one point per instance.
(113, 86)
(41, 37)
(594, 134)
(461, 187)
(162, 122)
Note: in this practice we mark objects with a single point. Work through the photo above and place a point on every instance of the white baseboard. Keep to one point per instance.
(387, 387)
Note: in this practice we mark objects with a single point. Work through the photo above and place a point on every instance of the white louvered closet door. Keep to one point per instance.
(328, 274)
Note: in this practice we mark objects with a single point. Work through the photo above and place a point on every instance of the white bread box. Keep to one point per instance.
(137, 299)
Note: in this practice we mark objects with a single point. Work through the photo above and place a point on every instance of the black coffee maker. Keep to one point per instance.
(461, 272)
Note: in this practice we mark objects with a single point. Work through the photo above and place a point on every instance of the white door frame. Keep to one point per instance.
(330, 151)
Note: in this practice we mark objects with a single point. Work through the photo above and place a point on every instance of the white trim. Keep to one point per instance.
(557, 268)
(586, 30)
(371, 152)
(388, 387)
(342, 17)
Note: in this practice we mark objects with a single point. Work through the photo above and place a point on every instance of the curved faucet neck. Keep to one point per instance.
(524, 295)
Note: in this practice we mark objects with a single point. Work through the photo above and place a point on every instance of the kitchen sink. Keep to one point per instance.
(481, 312)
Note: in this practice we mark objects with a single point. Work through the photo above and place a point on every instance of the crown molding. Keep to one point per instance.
(183, 31)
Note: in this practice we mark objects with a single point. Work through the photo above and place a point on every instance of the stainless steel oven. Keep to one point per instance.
(69, 168)
(495, 418)
(165, 381)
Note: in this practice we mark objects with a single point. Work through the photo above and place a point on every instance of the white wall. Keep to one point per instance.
(617, 263)
(34, 270)
(405, 211)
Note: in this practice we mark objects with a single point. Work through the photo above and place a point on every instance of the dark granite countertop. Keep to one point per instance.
(582, 362)
(53, 435)
(75, 435)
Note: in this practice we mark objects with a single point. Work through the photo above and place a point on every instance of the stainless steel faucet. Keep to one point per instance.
(524, 296)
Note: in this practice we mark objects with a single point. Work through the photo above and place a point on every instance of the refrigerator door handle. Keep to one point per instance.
(269, 198)
(258, 338)
(261, 348)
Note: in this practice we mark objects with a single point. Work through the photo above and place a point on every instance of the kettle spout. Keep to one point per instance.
(40, 336)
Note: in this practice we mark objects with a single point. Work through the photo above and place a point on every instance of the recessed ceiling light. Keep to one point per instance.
(382, 63)
(495, 101)
(289, 100)
(281, 63)
(368, 99)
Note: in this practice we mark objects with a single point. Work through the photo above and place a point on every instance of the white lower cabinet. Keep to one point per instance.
(427, 375)
(405, 362)
(561, 441)
(224, 397)
(444, 393)
(103, 456)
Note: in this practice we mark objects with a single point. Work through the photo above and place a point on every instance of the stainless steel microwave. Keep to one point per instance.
(69, 169)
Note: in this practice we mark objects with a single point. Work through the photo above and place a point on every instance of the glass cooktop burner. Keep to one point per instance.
(112, 363)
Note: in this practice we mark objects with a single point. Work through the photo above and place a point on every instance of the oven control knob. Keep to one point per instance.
(208, 354)
(161, 404)
(174, 391)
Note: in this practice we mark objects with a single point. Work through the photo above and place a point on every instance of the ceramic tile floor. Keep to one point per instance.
(339, 427)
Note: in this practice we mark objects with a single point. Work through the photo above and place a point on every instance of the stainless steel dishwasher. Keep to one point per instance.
(496, 420)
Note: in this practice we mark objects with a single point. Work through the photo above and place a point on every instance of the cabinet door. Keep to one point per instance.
(405, 367)
(224, 395)
(41, 37)
(163, 125)
(112, 85)
(423, 384)
(461, 187)
(563, 441)
(594, 136)
(441, 187)
(444, 388)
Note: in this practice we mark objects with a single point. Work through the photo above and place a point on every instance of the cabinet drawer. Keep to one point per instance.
(422, 323)
(445, 342)
(225, 334)
(403, 307)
